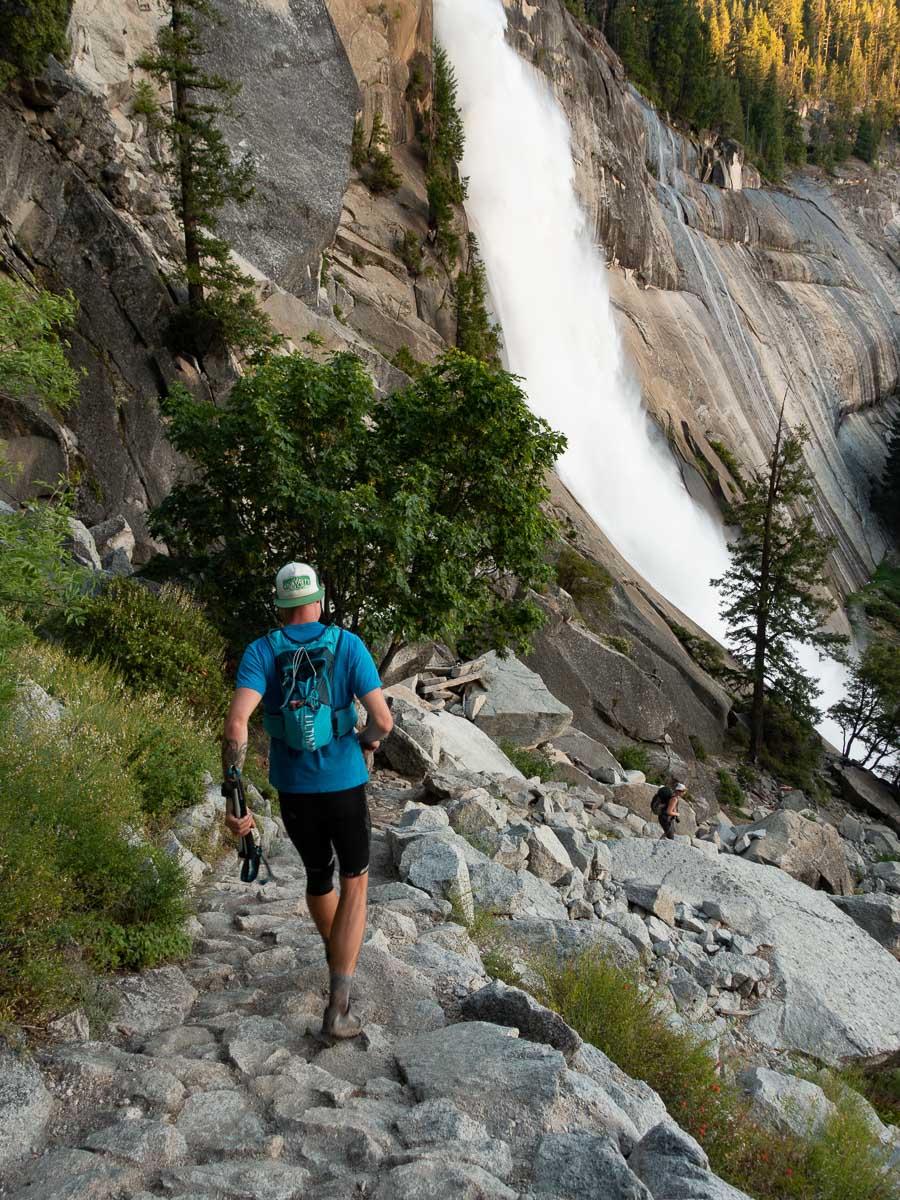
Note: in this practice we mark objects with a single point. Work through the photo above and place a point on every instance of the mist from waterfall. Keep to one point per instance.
(548, 288)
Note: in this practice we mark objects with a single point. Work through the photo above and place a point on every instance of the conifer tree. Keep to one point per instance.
(203, 175)
(886, 493)
(476, 334)
(772, 599)
(444, 150)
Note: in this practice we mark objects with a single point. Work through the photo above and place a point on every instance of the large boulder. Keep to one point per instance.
(439, 868)
(810, 851)
(674, 1166)
(518, 1089)
(592, 756)
(784, 1103)
(518, 705)
(833, 991)
(866, 792)
(547, 856)
(448, 741)
(513, 893)
(636, 797)
(504, 1005)
(25, 1106)
(878, 914)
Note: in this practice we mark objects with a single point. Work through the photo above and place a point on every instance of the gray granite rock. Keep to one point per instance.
(518, 704)
(504, 1005)
(152, 1001)
(877, 914)
(144, 1142)
(573, 1166)
(25, 1105)
(675, 1167)
(785, 1103)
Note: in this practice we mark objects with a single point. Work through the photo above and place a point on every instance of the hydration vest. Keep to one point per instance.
(307, 719)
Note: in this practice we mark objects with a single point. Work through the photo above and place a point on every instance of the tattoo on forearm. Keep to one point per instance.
(233, 755)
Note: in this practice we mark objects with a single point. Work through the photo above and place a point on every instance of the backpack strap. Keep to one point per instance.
(343, 720)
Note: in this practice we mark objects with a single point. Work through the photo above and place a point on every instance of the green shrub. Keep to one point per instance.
(615, 1010)
(161, 743)
(160, 643)
(634, 758)
(698, 748)
(38, 580)
(729, 790)
(587, 582)
(405, 361)
(622, 644)
(792, 750)
(409, 250)
(80, 885)
(707, 655)
(529, 762)
(487, 932)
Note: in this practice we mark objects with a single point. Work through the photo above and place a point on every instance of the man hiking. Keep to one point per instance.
(307, 675)
(665, 805)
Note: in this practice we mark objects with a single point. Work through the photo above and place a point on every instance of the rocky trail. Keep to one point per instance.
(213, 1080)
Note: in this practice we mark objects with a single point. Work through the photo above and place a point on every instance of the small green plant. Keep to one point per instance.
(729, 790)
(476, 333)
(145, 102)
(486, 930)
(634, 758)
(409, 250)
(707, 655)
(729, 460)
(406, 361)
(698, 748)
(529, 762)
(417, 87)
(622, 644)
(339, 313)
(587, 582)
(372, 156)
(313, 338)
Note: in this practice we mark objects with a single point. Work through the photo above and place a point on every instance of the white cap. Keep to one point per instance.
(679, 787)
(296, 584)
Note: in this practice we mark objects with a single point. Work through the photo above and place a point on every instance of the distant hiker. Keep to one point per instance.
(665, 805)
(307, 675)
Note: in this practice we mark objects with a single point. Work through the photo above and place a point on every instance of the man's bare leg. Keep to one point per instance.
(345, 941)
(322, 910)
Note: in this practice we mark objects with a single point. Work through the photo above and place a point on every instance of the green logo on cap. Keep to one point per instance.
(297, 583)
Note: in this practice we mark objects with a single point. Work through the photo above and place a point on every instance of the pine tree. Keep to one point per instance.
(772, 599)
(868, 137)
(204, 177)
(444, 150)
(886, 493)
(476, 334)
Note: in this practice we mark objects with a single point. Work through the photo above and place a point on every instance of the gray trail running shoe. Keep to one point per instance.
(339, 1024)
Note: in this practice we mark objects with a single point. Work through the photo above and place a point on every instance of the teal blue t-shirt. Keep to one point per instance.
(338, 765)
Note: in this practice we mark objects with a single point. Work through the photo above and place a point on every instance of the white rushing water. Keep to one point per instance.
(548, 287)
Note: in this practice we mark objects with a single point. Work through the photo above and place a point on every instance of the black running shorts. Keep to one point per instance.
(324, 824)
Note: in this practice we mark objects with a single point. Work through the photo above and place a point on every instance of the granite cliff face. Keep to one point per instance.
(729, 292)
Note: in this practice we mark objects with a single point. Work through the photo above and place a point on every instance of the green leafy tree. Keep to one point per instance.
(32, 353)
(772, 599)
(417, 510)
(476, 333)
(30, 31)
(870, 711)
(204, 177)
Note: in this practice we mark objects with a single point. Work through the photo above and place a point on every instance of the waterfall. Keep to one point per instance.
(548, 289)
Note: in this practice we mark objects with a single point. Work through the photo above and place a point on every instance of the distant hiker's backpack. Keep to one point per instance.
(307, 719)
(660, 801)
